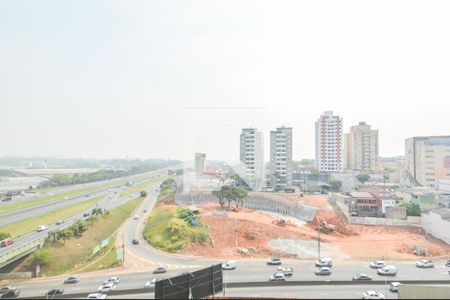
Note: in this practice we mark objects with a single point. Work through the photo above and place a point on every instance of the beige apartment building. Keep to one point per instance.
(361, 148)
(427, 159)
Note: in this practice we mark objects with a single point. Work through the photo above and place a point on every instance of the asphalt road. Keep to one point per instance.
(38, 209)
(303, 292)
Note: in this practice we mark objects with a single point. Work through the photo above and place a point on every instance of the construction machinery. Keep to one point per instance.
(326, 227)
(283, 222)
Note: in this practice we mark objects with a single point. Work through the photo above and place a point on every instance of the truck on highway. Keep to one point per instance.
(287, 271)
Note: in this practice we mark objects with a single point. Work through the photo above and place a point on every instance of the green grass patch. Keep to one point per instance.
(165, 195)
(30, 224)
(107, 259)
(170, 229)
(77, 251)
(137, 188)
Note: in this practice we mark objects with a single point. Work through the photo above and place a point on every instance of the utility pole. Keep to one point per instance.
(318, 241)
(236, 232)
(123, 250)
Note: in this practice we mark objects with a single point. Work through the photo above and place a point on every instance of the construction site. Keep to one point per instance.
(248, 232)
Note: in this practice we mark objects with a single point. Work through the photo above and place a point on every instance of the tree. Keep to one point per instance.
(81, 227)
(97, 211)
(65, 234)
(44, 257)
(335, 185)
(412, 209)
(220, 197)
(143, 194)
(239, 195)
(4, 235)
(363, 178)
(53, 235)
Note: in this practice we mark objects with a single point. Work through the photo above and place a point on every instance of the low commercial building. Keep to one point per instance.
(365, 204)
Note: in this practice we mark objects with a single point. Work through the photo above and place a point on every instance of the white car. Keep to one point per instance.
(425, 263)
(107, 288)
(151, 283)
(114, 280)
(393, 286)
(229, 265)
(372, 295)
(377, 264)
(136, 217)
(324, 262)
(97, 296)
(277, 277)
(388, 271)
(41, 228)
(287, 271)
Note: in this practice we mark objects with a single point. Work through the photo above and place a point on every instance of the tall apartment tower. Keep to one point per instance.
(427, 159)
(252, 168)
(281, 158)
(329, 143)
(200, 163)
(361, 148)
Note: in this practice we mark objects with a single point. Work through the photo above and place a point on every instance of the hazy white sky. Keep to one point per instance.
(140, 78)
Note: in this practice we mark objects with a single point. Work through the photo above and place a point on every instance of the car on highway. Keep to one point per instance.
(287, 271)
(323, 271)
(135, 217)
(6, 243)
(135, 241)
(274, 261)
(150, 283)
(159, 270)
(87, 195)
(361, 276)
(53, 292)
(377, 264)
(7, 288)
(447, 264)
(393, 286)
(229, 265)
(72, 279)
(144, 211)
(387, 271)
(59, 222)
(324, 262)
(86, 214)
(372, 295)
(66, 198)
(97, 296)
(41, 228)
(108, 287)
(425, 263)
(113, 279)
(277, 277)
(10, 294)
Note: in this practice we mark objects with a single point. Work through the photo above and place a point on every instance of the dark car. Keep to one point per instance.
(10, 294)
(72, 279)
(54, 292)
(135, 242)
(361, 277)
(448, 263)
(159, 270)
(86, 214)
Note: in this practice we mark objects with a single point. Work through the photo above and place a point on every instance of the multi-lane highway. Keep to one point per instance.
(252, 270)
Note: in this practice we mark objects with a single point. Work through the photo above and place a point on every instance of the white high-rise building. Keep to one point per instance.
(361, 148)
(329, 143)
(281, 158)
(252, 169)
(200, 163)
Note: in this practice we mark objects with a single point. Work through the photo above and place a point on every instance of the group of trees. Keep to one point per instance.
(412, 209)
(363, 178)
(230, 194)
(4, 235)
(75, 229)
(66, 179)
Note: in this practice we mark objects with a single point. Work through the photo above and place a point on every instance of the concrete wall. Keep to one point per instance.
(436, 226)
(263, 201)
(393, 212)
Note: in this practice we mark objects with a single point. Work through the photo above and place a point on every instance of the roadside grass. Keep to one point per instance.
(166, 230)
(136, 188)
(106, 260)
(77, 251)
(59, 196)
(19, 228)
(165, 194)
